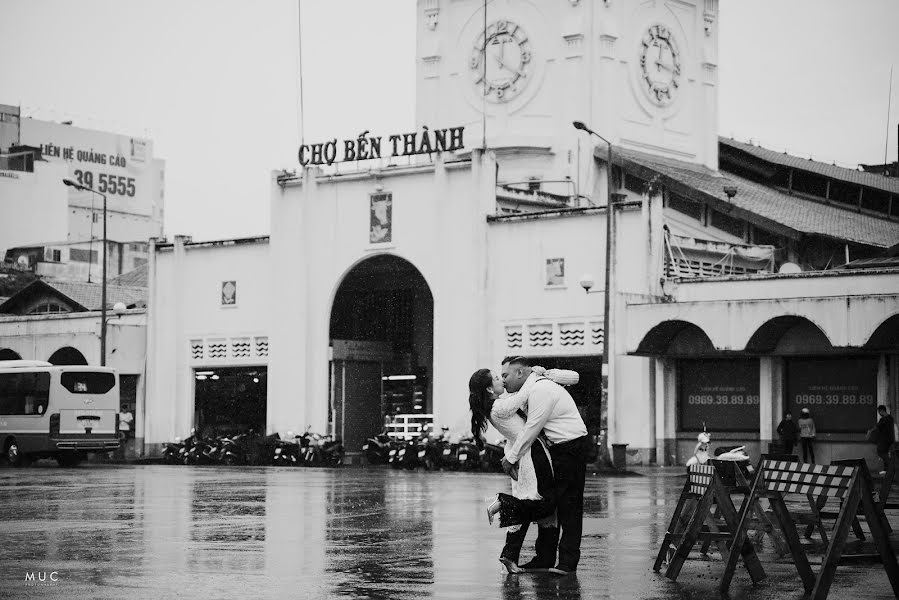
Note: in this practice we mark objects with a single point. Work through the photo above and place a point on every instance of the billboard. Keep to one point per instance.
(840, 393)
(119, 166)
(719, 394)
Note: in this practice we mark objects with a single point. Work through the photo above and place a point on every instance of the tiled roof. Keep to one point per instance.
(871, 180)
(756, 202)
(134, 278)
(89, 295)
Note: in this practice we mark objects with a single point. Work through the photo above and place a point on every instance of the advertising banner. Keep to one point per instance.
(840, 393)
(722, 394)
(119, 166)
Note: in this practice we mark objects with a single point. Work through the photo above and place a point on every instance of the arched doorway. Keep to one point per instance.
(7, 354)
(67, 356)
(381, 332)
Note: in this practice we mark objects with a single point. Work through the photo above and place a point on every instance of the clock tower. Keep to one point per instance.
(516, 73)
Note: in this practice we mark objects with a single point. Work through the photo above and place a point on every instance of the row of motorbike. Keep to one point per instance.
(433, 452)
(249, 448)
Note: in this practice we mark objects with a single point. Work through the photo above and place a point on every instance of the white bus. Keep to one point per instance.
(59, 412)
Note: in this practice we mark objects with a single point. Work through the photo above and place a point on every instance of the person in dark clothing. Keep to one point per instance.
(788, 431)
(885, 437)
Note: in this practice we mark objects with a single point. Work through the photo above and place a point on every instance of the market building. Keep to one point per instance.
(387, 281)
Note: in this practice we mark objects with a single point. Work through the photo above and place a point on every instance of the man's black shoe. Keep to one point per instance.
(560, 570)
(533, 566)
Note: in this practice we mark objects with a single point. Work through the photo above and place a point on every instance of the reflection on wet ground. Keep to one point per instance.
(105, 531)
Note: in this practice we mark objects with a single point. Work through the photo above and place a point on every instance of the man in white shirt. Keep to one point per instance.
(552, 411)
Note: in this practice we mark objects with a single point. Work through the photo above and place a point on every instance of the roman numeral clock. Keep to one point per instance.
(501, 62)
(660, 65)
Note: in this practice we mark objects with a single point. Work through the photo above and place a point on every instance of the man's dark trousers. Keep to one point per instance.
(570, 469)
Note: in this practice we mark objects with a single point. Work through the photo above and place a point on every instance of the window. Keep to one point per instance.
(95, 217)
(555, 271)
(52, 255)
(81, 255)
(87, 382)
(48, 308)
(24, 393)
(687, 207)
(634, 184)
(727, 223)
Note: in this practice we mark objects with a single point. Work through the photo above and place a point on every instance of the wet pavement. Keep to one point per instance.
(153, 531)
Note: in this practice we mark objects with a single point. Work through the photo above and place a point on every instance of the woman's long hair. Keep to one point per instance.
(477, 402)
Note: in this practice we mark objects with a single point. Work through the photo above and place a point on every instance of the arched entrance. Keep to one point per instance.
(67, 356)
(7, 354)
(382, 342)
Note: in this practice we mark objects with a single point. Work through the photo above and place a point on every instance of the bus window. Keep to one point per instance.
(86, 382)
(22, 393)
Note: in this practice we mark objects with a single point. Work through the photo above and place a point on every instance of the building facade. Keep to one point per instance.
(382, 289)
(36, 155)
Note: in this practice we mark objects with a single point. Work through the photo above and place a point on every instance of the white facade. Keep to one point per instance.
(190, 328)
(505, 284)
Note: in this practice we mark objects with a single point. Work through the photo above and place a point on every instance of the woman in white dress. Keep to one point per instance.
(532, 498)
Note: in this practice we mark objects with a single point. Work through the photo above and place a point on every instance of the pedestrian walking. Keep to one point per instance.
(884, 438)
(807, 435)
(788, 431)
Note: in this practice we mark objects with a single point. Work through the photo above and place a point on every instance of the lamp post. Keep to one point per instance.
(610, 231)
(587, 281)
(85, 188)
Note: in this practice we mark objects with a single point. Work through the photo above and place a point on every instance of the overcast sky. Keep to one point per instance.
(213, 83)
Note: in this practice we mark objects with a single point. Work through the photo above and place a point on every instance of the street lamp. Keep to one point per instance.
(85, 188)
(610, 232)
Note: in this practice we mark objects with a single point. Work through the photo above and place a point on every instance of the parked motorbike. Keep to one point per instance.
(289, 452)
(201, 452)
(491, 457)
(171, 452)
(377, 448)
(468, 455)
(323, 451)
(232, 450)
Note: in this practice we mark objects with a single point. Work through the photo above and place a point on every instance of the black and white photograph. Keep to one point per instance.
(538, 299)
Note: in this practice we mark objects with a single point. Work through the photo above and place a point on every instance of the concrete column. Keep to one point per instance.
(653, 411)
(766, 401)
(665, 412)
(182, 398)
(883, 383)
(148, 376)
(290, 392)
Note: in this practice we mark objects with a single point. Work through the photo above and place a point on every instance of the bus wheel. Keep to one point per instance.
(68, 459)
(13, 456)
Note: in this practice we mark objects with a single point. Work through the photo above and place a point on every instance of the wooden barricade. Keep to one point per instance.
(844, 481)
(821, 513)
(703, 489)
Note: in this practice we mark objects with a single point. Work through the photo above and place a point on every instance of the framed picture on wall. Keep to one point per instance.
(381, 218)
(555, 271)
(229, 293)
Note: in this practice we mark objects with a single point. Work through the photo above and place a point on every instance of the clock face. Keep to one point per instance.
(660, 67)
(501, 62)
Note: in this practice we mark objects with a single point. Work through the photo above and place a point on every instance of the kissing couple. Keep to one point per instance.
(545, 456)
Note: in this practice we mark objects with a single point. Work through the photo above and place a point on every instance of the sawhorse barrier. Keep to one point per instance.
(703, 488)
(849, 482)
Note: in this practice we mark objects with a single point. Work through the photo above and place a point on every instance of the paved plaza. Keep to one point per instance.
(153, 531)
